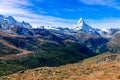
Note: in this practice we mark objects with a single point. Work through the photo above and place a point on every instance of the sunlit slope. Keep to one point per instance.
(101, 67)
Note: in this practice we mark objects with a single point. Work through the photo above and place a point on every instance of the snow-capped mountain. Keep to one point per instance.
(108, 33)
(54, 28)
(83, 33)
(10, 20)
(82, 26)
(49, 27)
(26, 24)
(83, 30)
(7, 23)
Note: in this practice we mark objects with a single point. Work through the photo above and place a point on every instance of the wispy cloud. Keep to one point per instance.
(97, 2)
(105, 23)
(11, 7)
(70, 10)
(109, 3)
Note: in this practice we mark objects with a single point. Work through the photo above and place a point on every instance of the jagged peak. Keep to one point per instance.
(11, 18)
(82, 26)
(23, 22)
(80, 22)
(26, 24)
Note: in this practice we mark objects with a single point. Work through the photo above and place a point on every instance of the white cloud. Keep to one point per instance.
(11, 7)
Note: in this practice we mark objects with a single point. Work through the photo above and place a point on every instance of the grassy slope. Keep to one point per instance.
(86, 70)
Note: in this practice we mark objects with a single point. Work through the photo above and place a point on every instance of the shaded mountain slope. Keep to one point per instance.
(6, 48)
(51, 55)
(114, 44)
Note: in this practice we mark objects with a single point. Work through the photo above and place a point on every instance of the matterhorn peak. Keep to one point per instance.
(80, 23)
(82, 26)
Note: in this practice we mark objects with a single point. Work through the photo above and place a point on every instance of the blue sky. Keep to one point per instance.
(65, 13)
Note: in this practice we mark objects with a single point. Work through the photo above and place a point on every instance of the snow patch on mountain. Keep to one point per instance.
(7, 23)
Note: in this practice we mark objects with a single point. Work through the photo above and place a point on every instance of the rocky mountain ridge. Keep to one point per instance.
(95, 39)
(7, 23)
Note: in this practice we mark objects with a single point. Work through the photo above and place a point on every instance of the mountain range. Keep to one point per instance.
(23, 47)
(95, 39)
